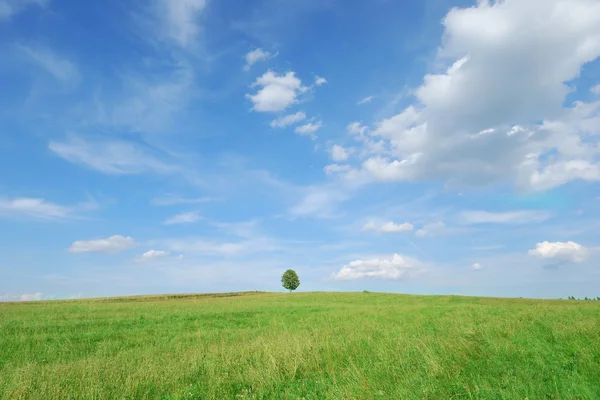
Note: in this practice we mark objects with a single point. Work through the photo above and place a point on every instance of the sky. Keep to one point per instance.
(423, 146)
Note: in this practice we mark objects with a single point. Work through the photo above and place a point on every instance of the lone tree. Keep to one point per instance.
(290, 280)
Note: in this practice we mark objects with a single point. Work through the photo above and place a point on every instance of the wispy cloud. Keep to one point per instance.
(152, 255)
(178, 20)
(286, 120)
(9, 8)
(59, 67)
(319, 201)
(150, 99)
(22, 296)
(183, 218)
(110, 156)
(388, 227)
(367, 99)
(111, 245)
(222, 248)
(433, 229)
(39, 208)
(178, 200)
(510, 217)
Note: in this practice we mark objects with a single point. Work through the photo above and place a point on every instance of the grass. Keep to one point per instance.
(300, 346)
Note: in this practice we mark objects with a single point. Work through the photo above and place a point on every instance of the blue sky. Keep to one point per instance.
(168, 146)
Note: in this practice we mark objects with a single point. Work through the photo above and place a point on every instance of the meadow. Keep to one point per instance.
(300, 346)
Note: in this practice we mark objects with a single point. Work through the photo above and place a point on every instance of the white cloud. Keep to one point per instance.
(36, 208)
(286, 120)
(477, 122)
(180, 19)
(595, 89)
(148, 102)
(476, 267)
(320, 81)
(256, 55)
(183, 218)
(335, 168)
(31, 296)
(9, 8)
(388, 227)
(339, 153)
(367, 99)
(560, 251)
(222, 248)
(110, 157)
(176, 200)
(57, 66)
(432, 229)
(22, 297)
(319, 201)
(309, 129)
(152, 255)
(510, 217)
(111, 245)
(276, 92)
(395, 268)
(564, 171)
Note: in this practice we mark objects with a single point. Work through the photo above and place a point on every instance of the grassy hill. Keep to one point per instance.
(300, 346)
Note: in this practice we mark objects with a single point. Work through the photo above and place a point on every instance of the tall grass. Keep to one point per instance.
(300, 346)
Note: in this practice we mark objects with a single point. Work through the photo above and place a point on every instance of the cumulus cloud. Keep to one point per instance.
(388, 227)
(152, 255)
(478, 121)
(276, 92)
(394, 268)
(286, 120)
(339, 153)
(476, 267)
(560, 251)
(595, 89)
(111, 245)
(183, 218)
(309, 129)
(256, 55)
(510, 217)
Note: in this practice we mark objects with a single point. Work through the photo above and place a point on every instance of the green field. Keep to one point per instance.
(300, 346)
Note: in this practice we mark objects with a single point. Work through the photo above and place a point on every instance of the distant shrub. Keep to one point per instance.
(366, 291)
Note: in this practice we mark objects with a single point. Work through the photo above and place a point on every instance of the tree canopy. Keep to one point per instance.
(290, 280)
